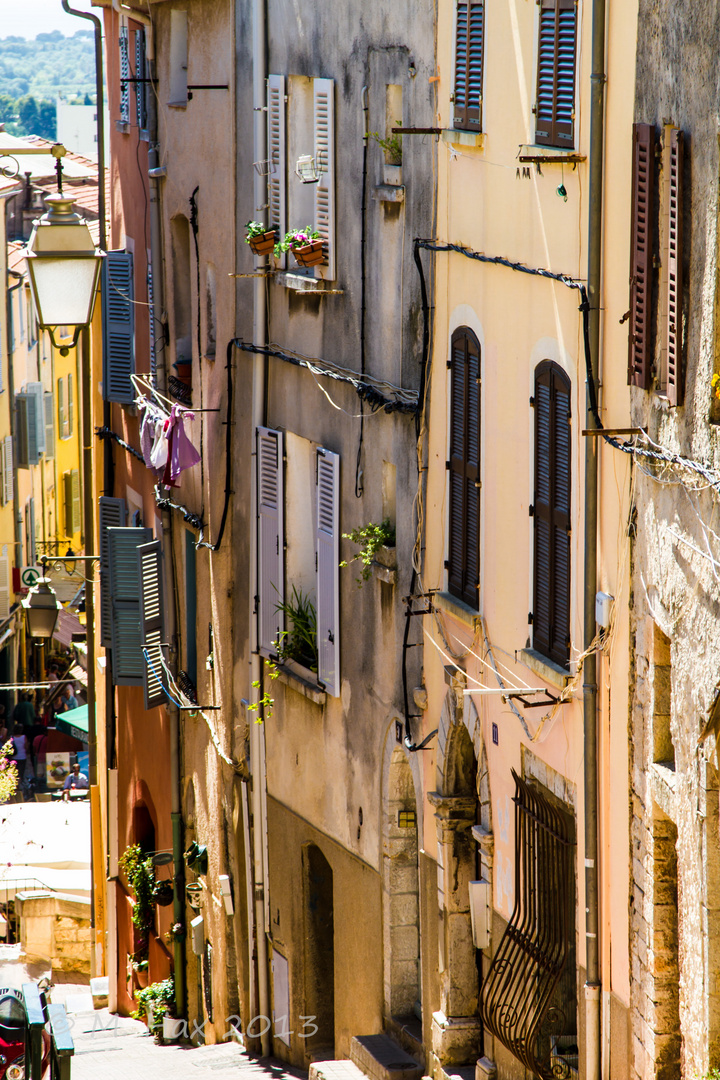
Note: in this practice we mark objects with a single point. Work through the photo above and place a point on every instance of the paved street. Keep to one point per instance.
(109, 1047)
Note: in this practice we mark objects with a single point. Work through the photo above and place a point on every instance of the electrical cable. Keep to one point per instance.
(363, 290)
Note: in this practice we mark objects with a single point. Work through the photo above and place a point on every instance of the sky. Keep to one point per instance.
(26, 18)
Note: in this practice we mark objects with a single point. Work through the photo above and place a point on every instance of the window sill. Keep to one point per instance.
(534, 153)
(301, 283)
(122, 127)
(457, 137)
(446, 602)
(177, 104)
(384, 565)
(392, 193)
(546, 669)
(293, 675)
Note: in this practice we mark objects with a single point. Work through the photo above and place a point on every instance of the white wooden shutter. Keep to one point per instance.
(277, 204)
(111, 515)
(328, 559)
(36, 389)
(324, 113)
(118, 327)
(152, 622)
(128, 662)
(8, 470)
(4, 584)
(271, 554)
(49, 408)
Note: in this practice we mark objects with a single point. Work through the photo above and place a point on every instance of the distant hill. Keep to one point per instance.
(49, 65)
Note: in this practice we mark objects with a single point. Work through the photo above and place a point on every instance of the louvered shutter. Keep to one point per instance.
(36, 388)
(124, 76)
(464, 469)
(111, 514)
(641, 255)
(469, 44)
(76, 512)
(68, 503)
(49, 409)
(141, 87)
(152, 623)
(277, 175)
(26, 429)
(32, 547)
(8, 470)
(557, 45)
(551, 603)
(62, 410)
(324, 111)
(4, 584)
(328, 560)
(118, 327)
(128, 662)
(675, 373)
(70, 404)
(271, 561)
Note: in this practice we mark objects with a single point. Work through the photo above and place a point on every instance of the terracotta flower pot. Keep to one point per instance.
(263, 243)
(309, 254)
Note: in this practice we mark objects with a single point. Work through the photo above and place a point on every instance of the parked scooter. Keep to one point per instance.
(13, 1031)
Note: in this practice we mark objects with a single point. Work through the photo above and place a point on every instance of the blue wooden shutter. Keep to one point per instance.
(271, 554)
(111, 515)
(118, 327)
(327, 536)
(128, 660)
(152, 622)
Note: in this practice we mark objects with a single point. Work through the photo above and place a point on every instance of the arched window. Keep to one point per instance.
(463, 563)
(551, 603)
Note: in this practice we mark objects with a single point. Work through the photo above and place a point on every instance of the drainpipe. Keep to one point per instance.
(595, 237)
(259, 410)
(17, 519)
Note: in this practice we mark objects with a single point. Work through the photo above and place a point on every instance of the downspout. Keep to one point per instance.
(17, 519)
(595, 238)
(259, 412)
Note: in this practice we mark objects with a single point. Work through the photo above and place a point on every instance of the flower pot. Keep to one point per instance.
(163, 893)
(262, 243)
(172, 1029)
(309, 254)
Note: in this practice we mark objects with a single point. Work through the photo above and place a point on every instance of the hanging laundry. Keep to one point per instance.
(182, 454)
(159, 452)
(147, 432)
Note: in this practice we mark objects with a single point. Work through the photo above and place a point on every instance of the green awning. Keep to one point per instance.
(74, 722)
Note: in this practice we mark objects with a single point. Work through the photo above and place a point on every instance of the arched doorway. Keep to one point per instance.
(319, 952)
(401, 907)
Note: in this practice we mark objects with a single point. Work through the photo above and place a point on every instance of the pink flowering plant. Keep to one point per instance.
(296, 238)
(8, 773)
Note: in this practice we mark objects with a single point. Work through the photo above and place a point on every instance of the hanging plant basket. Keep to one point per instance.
(262, 243)
(309, 254)
(163, 893)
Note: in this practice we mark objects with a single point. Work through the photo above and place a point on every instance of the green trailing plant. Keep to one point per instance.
(160, 997)
(295, 238)
(299, 643)
(265, 704)
(370, 538)
(714, 1074)
(392, 145)
(138, 869)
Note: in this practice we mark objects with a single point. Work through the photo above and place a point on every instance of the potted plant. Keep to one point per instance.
(305, 244)
(260, 238)
(163, 892)
(299, 643)
(377, 545)
(392, 145)
(155, 1002)
(138, 870)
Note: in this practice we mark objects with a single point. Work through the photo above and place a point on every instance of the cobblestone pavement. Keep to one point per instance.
(109, 1047)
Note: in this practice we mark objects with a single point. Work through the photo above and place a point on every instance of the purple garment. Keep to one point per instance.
(183, 454)
(147, 437)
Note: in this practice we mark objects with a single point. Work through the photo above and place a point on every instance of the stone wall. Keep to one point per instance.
(56, 929)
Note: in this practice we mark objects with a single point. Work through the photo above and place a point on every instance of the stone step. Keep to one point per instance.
(382, 1059)
(335, 1070)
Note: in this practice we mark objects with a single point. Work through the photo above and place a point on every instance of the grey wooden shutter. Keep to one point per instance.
(271, 553)
(124, 76)
(152, 621)
(277, 175)
(111, 515)
(557, 45)
(26, 430)
(324, 111)
(49, 409)
(36, 388)
(641, 255)
(674, 313)
(62, 410)
(76, 510)
(327, 536)
(551, 514)
(141, 87)
(128, 662)
(7, 477)
(118, 327)
(463, 563)
(469, 46)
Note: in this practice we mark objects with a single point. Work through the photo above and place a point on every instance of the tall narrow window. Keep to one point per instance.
(641, 255)
(557, 44)
(469, 43)
(551, 605)
(463, 563)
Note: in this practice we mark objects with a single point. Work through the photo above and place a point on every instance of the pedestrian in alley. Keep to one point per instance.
(76, 781)
(68, 700)
(20, 745)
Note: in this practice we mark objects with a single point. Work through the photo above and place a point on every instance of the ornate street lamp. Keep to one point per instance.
(63, 266)
(42, 608)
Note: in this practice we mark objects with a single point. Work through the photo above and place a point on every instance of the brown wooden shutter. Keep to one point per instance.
(469, 46)
(464, 468)
(551, 601)
(673, 344)
(557, 48)
(641, 255)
